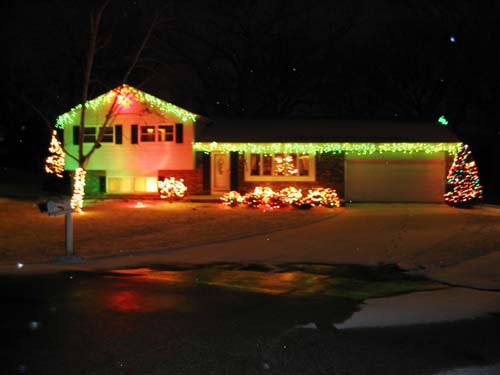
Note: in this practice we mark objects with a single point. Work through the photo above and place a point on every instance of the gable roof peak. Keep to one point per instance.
(120, 97)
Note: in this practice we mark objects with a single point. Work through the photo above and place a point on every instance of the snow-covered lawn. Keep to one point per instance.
(115, 227)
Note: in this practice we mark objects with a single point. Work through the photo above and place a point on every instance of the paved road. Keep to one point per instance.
(157, 323)
(87, 323)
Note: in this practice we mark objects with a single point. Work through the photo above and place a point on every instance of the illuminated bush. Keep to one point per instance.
(291, 194)
(233, 198)
(171, 188)
(326, 197)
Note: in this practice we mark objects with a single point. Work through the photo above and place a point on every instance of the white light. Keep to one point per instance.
(19, 265)
(452, 39)
(78, 190)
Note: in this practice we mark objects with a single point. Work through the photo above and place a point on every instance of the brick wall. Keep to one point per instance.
(329, 173)
(193, 178)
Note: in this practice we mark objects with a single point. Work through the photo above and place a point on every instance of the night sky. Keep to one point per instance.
(410, 59)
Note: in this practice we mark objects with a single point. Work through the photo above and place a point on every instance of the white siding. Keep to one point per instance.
(142, 159)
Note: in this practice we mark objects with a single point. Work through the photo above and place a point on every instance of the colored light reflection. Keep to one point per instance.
(125, 300)
(153, 275)
(264, 282)
(129, 296)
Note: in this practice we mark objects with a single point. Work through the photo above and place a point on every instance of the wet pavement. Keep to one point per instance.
(232, 319)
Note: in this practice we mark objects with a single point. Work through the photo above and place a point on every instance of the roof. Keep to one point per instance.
(320, 130)
(120, 97)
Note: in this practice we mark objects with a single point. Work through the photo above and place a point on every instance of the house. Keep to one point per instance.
(366, 161)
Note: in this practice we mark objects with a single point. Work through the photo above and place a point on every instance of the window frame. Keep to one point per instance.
(169, 135)
(141, 133)
(110, 129)
(249, 177)
(89, 134)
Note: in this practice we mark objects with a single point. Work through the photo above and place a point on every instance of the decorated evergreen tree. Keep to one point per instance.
(285, 166)
(463, 179)
(54, 164)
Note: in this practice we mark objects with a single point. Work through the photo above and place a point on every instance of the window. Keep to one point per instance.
(280, 166)
(160, 133)
(147, 133)
(89, 135)
(146, 184)
(108, 134)
(165, 133)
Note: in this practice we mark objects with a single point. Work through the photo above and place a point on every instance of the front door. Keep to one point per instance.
(221, 169)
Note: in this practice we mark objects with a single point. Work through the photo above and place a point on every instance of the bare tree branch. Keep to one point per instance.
(142, 46)
(46, 121)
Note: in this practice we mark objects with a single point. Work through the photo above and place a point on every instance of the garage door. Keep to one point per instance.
(393, 178)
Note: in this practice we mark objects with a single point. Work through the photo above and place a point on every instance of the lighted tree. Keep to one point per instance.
(284, 166)
(96, 43)
(463, 177)
(54, 164)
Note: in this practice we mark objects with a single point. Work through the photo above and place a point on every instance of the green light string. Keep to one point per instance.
(336, 148)
(72, 116)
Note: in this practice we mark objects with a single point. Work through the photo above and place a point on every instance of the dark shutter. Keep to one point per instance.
(206, 171)
(76, 134)
(118, 134)
(179, 133)
(134, 134)
(234, 158)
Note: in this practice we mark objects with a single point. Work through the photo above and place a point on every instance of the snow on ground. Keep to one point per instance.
(445, 305)
(461, 247)
(116, 227)
(476, 370)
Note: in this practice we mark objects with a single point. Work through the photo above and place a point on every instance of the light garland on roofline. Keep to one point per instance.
(127, 94)
(336, 148)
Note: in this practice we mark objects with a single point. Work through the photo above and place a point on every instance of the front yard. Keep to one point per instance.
(117, 227)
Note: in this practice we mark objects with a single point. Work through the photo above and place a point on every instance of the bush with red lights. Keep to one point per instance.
(290, 196)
